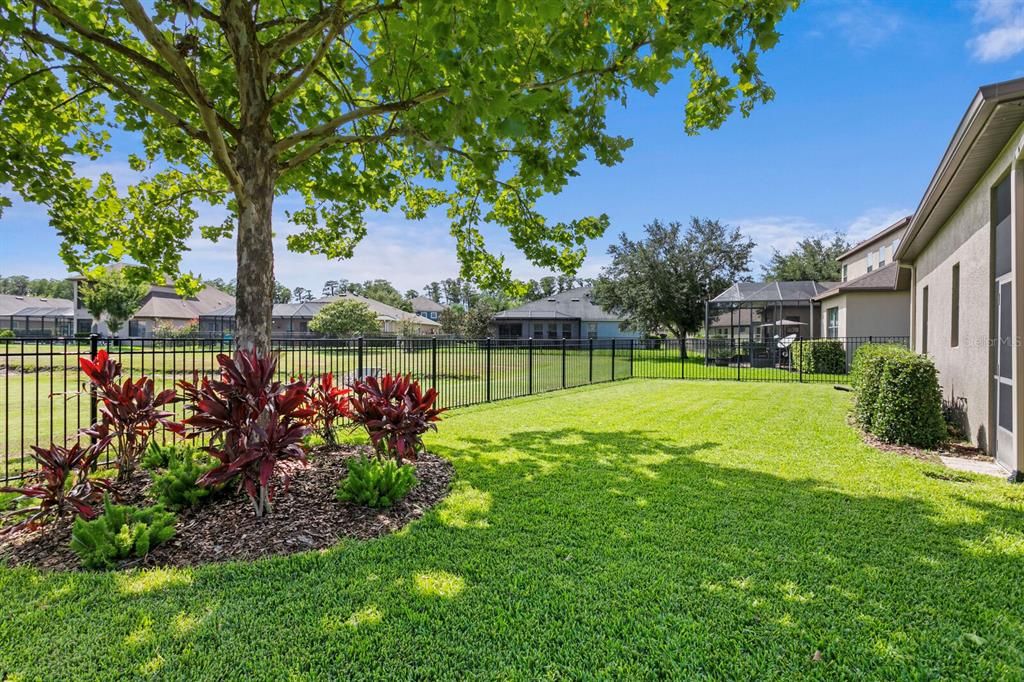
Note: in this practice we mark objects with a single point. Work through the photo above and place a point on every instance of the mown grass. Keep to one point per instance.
(635, 530)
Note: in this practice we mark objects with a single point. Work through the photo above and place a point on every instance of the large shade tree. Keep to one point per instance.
(480, 106)
(663, 280)
(814, 258)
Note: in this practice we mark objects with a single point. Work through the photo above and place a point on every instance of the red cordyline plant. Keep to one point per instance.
(396, 413)
(253, 422)
(48, 485)
(329, 403)
(129, 412)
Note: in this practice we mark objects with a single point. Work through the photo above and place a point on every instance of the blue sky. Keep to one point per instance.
(868, 95)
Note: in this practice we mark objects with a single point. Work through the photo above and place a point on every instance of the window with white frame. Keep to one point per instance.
(832, 326)
(845, 269)
(881, 256)
(871, 261)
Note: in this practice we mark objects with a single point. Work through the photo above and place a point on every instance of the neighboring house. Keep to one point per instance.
(427, 307)
(37, 316)
(160, 307)
(163, 307)
(965, 248)
(291, 320)
(568, 315)
(873, 300)
(761, 311)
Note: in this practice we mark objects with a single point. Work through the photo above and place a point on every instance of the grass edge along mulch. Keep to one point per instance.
(306, 516)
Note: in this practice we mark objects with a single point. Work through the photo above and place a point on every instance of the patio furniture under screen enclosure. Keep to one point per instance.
(753, 324)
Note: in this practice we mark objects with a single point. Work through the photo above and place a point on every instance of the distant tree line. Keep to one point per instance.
(21, 285)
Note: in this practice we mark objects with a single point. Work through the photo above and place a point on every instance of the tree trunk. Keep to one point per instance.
(254, 298)
(682, 346)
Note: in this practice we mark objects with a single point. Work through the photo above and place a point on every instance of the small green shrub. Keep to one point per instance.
(313, 440)
(158, 456)
(376, 483)
(908, 410)
(6, 333)
(119, 533)
(866, 376)
(176, 488)
(819, 356)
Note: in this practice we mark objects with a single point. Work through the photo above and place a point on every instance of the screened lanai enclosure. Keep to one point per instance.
(755, 324)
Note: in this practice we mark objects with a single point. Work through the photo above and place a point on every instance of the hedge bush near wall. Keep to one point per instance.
(898, 395)
(909, 407)
(819, 356)
(866, 376)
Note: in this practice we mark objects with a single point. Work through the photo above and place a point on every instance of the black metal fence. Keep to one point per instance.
(44, 396)
(791, 359)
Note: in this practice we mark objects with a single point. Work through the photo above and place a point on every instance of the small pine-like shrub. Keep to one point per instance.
(119, 533)
(819, 356)
(6, 334)
(158, 456)
(908, 408)
(866, 377)
(376, 483)
(177, 487)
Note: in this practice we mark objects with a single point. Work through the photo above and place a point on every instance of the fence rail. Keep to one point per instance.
(44, 396)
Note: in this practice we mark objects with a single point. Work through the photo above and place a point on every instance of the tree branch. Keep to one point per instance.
(211, 124)
(328, 129)
(118, 84)
(315, 148)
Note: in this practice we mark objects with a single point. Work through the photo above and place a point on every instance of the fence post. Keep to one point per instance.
(590, 366)
(359, 364)
(613, 359)
(683, 354)
(563, 362)
(736, 356)
(94, 349)
(800, 361)
(529, 365)
(488, 396)
(631, 344)
(433, 362)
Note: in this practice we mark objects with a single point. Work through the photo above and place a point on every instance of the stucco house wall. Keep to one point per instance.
(876, 313)
(965, 370)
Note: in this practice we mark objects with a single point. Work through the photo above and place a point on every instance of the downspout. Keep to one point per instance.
(913, 302)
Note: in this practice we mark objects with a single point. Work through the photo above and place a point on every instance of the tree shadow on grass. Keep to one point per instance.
(577, 553)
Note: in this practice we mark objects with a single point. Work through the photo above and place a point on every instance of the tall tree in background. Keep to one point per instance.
(282, 294)
(814, 258)
(663, 280)
(302, 295)
(481, 107)
(433, 291)
(112, 296)
(380, 290)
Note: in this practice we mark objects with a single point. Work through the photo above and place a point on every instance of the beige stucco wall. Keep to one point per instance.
(857, 262)
(869, 313)
(964, 370)
(837, 301)
(878, 313)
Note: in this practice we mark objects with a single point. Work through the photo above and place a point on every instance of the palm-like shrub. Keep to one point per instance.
(253, 422)
(396, 412)
(330, 404)
(60, 485)
(129, 412)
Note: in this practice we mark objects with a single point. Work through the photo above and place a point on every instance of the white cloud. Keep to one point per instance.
(864, 25)
(783, 232)
(1002, 30)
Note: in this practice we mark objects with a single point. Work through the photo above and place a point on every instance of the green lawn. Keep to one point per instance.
(642, 529)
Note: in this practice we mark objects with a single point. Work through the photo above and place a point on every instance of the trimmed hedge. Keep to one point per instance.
(866, 376)
(819, 356)
(6, 334)
(898, 396)
(909, 407)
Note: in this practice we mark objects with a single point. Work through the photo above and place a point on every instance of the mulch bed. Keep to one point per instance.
(307, 516)
(951, 449)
